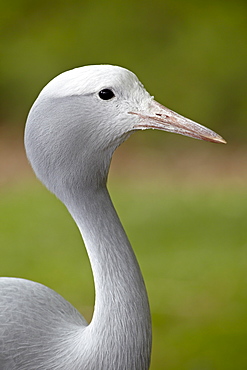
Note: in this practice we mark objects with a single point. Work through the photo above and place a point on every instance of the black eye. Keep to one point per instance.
(106, 94)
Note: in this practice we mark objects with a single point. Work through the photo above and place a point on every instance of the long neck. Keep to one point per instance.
(120, 330)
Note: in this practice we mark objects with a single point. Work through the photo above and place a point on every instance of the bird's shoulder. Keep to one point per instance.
(21, 298)
(33, 316)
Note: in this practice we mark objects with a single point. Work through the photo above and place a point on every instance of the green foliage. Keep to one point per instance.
(191, 245)
(191, 54)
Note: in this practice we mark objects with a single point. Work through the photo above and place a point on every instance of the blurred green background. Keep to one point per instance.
(182, 202)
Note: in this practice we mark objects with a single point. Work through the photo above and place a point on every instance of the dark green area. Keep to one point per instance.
(191, 55)
(191, 245)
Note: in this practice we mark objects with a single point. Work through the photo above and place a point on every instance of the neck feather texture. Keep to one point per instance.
(120, 330)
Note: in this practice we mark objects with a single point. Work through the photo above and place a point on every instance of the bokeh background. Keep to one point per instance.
(183, 202)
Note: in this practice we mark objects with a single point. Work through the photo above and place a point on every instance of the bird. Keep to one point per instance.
(73, 128)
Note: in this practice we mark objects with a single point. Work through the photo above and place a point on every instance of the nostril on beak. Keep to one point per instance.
(162, 115)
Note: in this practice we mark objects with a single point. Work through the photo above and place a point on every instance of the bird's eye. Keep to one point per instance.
(106, 94)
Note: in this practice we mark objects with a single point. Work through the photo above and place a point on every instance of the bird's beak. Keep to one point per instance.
(161, 118)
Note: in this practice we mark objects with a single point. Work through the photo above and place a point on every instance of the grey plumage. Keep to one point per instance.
(70, 136)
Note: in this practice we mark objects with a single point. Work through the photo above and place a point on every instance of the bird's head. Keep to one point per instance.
(82, 115)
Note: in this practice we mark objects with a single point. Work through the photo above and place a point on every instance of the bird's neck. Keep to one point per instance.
(121, 321)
